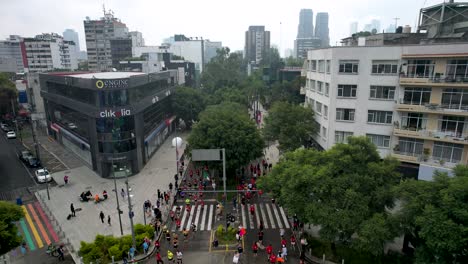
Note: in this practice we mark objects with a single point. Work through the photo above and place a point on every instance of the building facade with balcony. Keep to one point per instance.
(411, 101)
(114, 121)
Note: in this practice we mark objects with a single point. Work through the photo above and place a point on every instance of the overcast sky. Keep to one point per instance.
(218, 20)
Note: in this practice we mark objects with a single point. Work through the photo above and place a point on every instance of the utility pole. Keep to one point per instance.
(117, 196)
(130, 212)
(396, 22)
(16, 121)
(224, 174)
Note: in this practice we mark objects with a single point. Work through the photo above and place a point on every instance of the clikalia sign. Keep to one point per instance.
(115, 113)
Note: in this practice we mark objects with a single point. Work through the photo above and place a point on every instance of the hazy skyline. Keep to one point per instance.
(224, 21)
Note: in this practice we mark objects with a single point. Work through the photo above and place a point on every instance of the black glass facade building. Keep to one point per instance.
(114, 121)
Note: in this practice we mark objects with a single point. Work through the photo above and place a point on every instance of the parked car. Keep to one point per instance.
(72, 126)
(24, 155)
(11, 134)
(5, 128)
(43, 175)
(33, 162)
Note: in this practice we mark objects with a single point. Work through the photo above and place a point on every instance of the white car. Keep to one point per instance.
(11, 134)
(43, 175)
(72, 126)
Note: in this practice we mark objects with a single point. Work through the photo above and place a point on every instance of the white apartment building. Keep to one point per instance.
(411, 101)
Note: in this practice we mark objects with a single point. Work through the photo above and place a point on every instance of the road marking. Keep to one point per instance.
(251, 222)
(30, 174)
(205, 212)
(47, 222)
(286, 222)
(33, 228)
(27, 234)
(257, 216)
(39, 224)
(55, 156)
(275, 211)
(199, 208)
(244, 222)
(265, 223)
(270, 217)
(183, 218)
(210, 218)
(189, 222)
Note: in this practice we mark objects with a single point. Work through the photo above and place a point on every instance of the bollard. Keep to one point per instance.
(323, 259)
(81, 260)
(113, 260)
(342, 261)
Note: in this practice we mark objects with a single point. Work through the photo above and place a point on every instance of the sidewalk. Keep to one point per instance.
(157, 174)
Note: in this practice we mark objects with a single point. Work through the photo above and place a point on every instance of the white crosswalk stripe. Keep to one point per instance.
(262, 211)
(275, 212)
(184, 216)
(270, 216)
(189, 222)
(202, 224)
(199, 209)
(257, 217)
(244, 222)
(286, 222)
(251, 222)
(210, 218)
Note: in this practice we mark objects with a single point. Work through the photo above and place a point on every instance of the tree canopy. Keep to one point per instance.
(435, 213)
(9, 214)
(345, 190)
(292, 125)
(7, 93)
(188, 103)
(228, 126)
(287, 91)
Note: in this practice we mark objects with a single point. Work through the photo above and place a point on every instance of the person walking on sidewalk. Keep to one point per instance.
(72, 209)
(122, 193)
(159, 258)
(179, 257)
(109, 220)
(65, 179)
(102, 216)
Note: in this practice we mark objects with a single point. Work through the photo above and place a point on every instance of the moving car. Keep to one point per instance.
(43, 175)
(33, 162)
(24, 155)
(11, 134)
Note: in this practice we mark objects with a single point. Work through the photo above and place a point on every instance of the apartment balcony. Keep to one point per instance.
(433, 81)
(423, 159)
(302, 90)
(420, 132)
(430, 108)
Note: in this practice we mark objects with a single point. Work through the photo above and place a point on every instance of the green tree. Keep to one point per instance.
(346, 190)
(228, 126)
(435, 213)
(294, 62)
(7, 93)
(287, 91)
(292, 125)
(188, 103)
(9, 214)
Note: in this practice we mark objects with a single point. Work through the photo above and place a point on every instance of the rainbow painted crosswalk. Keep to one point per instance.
(36, 227)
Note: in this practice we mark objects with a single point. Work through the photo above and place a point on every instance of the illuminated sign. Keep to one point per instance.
(117, 113)
(118, 83)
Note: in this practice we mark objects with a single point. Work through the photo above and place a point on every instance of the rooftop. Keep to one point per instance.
(106, 75)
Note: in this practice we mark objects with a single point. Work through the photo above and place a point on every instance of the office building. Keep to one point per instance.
(302, 45)
(137, 39)
(72, 35)
(114, 121)
(13, 55)
(353, 28)
(50, 51)
(305, 28)
(257, 44)
(321, 28)
(98, 40)
(121, 49)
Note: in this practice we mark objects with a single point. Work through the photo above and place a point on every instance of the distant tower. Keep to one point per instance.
(72, 35)
(321, 28)
(257, 44)
(306, 24)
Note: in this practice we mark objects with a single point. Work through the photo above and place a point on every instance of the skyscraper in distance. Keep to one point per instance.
(72, 35)
(321, 28)
(305, 28)
(257, 44)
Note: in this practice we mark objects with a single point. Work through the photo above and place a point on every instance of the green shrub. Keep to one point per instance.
(115, 251)
(139, 229)
(220, 230)
(95, 255)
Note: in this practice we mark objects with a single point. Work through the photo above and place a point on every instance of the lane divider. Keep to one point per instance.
(39, 224)
(33, 228)
(27, 234)
(47, 222)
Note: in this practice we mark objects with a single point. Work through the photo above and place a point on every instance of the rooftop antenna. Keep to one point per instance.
(104, 9)
(396, 22)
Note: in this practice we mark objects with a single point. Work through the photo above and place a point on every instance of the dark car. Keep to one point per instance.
(24, 155)
(33, 162)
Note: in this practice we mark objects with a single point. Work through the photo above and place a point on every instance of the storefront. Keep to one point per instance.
(114, 121)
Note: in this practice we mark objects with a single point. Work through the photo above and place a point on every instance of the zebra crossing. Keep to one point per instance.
(203, 216)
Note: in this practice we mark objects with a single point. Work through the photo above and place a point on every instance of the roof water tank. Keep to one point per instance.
(406, 29)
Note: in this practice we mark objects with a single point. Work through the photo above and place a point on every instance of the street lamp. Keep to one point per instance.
(130, 212)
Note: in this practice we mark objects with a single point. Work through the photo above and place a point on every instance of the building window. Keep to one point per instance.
(345, 114)
(312, 104)
(321, 66)
(313, 65)
(457, 69)
(453, 126)
(413, 122)
(385, 67)
(382, 92)
(342, 136)
(455, 99)
(327, 89)
(312, 85)
(349, 66)
(379, 117)
(380, 141)
(319, 87)
(347, 90)
(325, 111)
(318, 108)
(324, 132)
(410, 146)
(420, 68)
(328, 65)
(447, 151)
(417, 96)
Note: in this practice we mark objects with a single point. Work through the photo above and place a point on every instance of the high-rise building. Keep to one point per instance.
(375, 24)
(353, 28)
(390, 29)
(98, 40)
(47, 52)
(321, 28)
(137, 39)
(72, 35)
(305, 28)
(302, 45)
(257, 44)
(13, 55)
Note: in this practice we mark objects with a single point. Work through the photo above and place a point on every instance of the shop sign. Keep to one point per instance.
(116, 83)
(115, 113)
